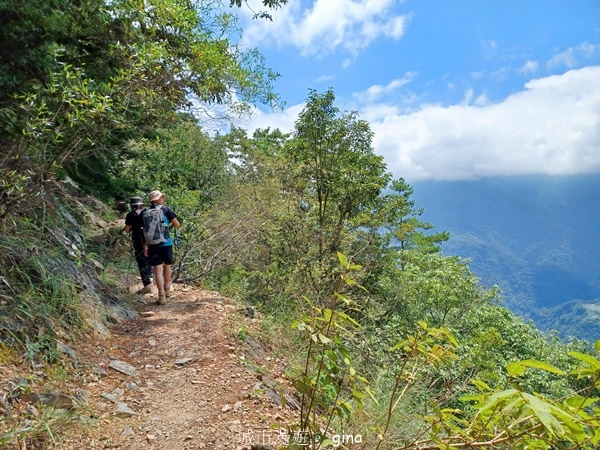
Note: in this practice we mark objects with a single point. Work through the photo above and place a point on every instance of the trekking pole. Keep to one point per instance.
(176, 239)
(129, 270)
(176, 244)
(118, 235)
(135, 255)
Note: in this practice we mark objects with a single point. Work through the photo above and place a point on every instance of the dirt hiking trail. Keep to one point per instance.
(176, 378)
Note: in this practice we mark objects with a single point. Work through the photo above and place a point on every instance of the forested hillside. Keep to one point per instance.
(385, 336)
(536, 237)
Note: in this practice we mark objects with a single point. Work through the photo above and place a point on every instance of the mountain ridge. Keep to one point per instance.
(534, 236)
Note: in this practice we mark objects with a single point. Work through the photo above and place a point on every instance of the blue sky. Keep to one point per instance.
(453, 89)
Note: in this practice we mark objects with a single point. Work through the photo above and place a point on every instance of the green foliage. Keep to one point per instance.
(492, 338)
(272, 4)
(330, 387)
(515, 418)
(180, 158)
(43, 298)
(43, 271)
(342, 174)
(37, 429)
(434, 288)
(426, 347)
(401, 220)
(171, 47)
(80, 82)
(307, 197)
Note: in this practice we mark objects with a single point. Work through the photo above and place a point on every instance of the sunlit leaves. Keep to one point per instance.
(331, 387)
(519, 367)
(520, 419)
(84, 79)
(344, 176)
(271, 4)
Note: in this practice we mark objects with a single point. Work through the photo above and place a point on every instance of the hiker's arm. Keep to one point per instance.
(144, 245)
(175, 222)
(127, 229)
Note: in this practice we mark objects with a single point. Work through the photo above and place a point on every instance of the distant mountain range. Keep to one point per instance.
(537, 237)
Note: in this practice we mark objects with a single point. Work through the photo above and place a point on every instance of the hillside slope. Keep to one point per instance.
(536, 237)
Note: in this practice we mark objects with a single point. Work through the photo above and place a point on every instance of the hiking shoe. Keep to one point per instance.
(168, 290)
(162, 299)
(145, 290)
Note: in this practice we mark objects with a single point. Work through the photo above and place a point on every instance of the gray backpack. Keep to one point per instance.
(156, 231)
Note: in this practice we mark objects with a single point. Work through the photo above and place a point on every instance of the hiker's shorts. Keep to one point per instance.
(160, 255)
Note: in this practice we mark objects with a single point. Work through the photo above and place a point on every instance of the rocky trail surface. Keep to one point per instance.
(179, 377)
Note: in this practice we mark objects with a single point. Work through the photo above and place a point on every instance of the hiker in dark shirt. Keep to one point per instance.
(160, 253)
(135, 225)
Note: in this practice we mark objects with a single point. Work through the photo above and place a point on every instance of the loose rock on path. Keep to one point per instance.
(177, 378)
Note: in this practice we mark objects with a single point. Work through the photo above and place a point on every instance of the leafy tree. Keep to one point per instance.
(517, 417)
(180, 157)
(401, 219)
(272, 4)
(311, 191)
(343, 175)
(176, 48)
(387, 232)
(82, 79)
(492, 337)
(438, 289)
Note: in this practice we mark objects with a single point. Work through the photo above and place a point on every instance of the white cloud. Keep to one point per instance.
(377, 91)
(552, 126)
(588, 50)
(489, 47)
(325, 78)
(469, 96)
(570, 57)
(376, 113)
(529, 67)
(284, 120)
(350, 25)
(566, 58)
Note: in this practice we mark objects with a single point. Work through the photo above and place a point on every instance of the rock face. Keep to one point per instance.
(57, 259)
(100, 304)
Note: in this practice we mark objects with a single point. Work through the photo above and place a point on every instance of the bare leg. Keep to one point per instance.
(167, 273)
(159, 277)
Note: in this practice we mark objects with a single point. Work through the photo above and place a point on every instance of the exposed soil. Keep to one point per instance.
(195, 385)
